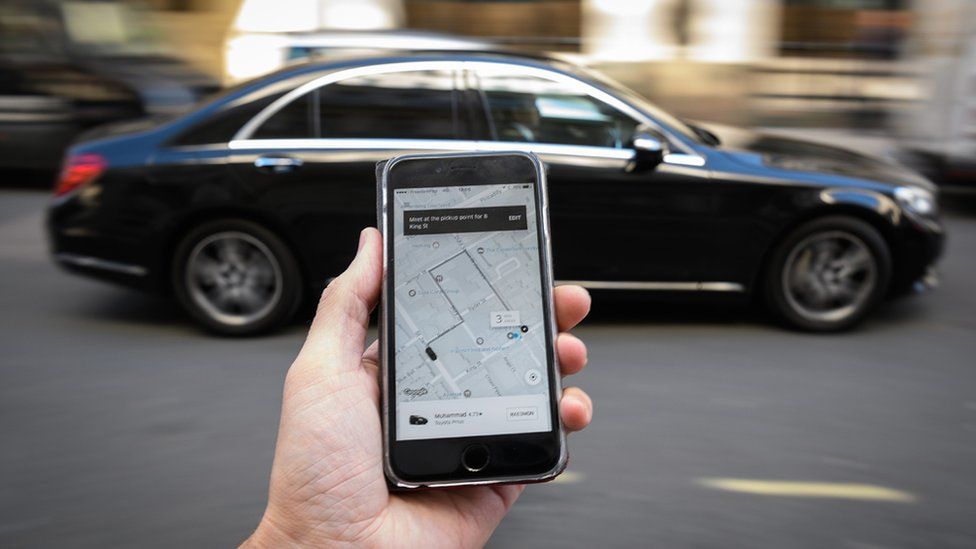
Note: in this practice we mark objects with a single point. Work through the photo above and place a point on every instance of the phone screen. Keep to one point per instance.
(470, 336)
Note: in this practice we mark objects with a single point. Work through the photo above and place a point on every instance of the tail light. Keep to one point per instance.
(78, 171)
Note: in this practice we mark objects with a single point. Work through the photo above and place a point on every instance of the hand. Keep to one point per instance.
(327, 483)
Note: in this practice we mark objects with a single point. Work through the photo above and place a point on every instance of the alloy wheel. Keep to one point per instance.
(234, 277)
(829, 276)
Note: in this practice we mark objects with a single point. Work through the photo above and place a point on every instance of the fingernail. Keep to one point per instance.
(362, 241)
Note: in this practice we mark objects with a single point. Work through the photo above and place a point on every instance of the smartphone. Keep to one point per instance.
(467, 331)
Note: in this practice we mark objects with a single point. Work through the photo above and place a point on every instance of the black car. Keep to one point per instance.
(248, 205)
(69, 66)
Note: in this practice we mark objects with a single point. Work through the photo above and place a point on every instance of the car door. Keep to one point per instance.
(608, 223)
(319, 176)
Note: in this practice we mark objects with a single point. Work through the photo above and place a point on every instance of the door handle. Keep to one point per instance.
(277, 164)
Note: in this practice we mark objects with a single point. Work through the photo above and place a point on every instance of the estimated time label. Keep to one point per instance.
(504, 319)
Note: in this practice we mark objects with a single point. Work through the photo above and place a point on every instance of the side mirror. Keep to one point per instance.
(650, 146)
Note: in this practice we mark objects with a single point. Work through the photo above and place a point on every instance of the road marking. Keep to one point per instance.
(797, 489)
(568, 477)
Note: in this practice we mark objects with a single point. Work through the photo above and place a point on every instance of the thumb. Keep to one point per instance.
(335, 340)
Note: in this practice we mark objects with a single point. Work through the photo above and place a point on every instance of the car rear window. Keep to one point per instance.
(291, 122)
(398, 105)
(223, 125)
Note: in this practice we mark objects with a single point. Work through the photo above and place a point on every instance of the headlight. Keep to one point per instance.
(917, 200)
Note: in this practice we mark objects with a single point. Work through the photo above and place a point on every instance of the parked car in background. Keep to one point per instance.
(66, 66)
(248, 205)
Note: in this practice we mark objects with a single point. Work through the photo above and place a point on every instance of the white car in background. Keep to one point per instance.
(264, 36)
(939, 134)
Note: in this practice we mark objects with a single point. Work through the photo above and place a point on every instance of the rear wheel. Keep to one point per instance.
(828, 274)
(236, 278)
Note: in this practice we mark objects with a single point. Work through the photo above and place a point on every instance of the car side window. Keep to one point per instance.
(290, 122)
(398, 105)
(527, 108)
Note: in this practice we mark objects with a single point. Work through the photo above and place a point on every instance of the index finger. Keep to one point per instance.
(572, 305)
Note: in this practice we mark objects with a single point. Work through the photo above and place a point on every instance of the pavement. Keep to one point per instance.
(121, 424)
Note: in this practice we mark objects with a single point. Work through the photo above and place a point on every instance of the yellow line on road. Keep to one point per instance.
(796, 489)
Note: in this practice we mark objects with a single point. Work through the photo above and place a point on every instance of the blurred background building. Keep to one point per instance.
(881, 67)
(769, 62)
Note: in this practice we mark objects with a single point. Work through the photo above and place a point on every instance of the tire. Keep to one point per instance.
(827, 274)
(236, 278)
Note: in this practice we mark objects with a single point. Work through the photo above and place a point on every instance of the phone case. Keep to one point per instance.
(382, 172)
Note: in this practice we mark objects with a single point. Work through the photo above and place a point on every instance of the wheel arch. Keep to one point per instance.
(876, 217)
(196, 218)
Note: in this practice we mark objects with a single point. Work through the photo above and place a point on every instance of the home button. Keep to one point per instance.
(475, 457)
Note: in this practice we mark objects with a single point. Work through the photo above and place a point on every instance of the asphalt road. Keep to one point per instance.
(121, 424)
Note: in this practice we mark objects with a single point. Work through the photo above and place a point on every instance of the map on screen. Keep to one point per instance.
(470, 340)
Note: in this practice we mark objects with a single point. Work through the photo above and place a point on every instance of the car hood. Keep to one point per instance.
(798, 155)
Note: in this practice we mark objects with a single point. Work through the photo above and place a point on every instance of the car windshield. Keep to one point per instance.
(635, 99)
(110, 28)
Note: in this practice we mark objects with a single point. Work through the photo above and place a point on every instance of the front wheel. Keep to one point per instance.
(236, 278)
(828, 274)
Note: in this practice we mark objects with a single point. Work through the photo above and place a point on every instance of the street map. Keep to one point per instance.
(470, 342)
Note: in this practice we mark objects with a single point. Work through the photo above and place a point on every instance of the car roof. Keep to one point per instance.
(341, 61)
(301, 71)
(312, 68)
